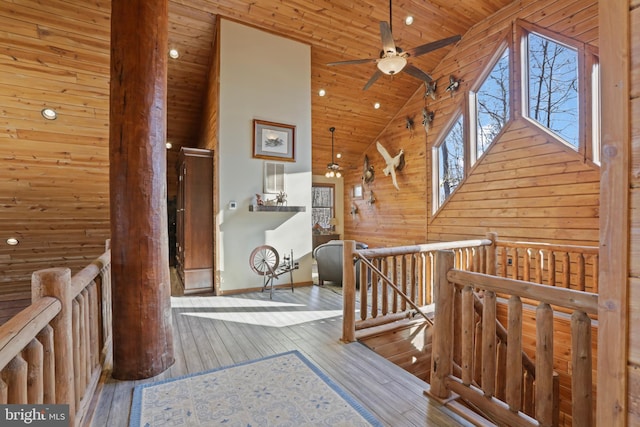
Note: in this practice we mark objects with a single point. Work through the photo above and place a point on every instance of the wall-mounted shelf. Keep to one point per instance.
(261, 208)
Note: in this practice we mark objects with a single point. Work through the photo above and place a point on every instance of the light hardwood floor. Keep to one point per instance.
(210, 332)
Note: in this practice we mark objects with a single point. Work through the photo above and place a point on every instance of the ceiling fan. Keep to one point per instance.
(393, 59)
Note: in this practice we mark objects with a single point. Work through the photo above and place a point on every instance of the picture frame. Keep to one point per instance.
(357, 191)
(274, 141)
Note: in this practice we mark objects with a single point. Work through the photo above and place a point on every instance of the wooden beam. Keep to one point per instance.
(614, 214)
(142, 331)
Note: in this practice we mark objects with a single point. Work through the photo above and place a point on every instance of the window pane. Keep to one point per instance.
(321, 216)
(322, 197)
(553, 87)
(322, 206)
(492, 104)
(451, 161)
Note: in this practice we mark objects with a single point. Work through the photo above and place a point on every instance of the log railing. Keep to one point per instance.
(567, 266)
(479, 382)
(397, 282)
(53, 351)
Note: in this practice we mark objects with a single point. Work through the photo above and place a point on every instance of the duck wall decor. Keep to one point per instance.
(394, 164)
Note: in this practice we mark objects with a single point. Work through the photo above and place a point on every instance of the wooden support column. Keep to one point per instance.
(142, 330)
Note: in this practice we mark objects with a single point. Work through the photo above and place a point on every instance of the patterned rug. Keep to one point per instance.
(281, 390)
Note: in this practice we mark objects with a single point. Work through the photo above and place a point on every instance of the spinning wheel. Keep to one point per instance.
(264, 260)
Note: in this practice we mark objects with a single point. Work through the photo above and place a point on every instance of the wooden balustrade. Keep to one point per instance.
(53, 350)
(497, 382)
(399, 280)
(567, 266)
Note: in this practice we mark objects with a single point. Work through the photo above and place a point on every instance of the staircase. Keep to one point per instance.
(406, 343)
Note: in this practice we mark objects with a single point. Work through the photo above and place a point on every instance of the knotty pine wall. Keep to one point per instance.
(54, 179)
(526, 187)
(634, 214)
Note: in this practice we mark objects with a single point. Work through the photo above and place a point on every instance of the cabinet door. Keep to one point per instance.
(198, 213)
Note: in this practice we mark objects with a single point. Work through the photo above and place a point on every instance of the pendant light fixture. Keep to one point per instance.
(333, 169)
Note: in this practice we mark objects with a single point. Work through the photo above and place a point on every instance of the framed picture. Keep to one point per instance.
(357, 191)
(274, 141)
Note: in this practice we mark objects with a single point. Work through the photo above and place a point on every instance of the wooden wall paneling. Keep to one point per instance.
(633, 368)
(528, 186)
(54, 176)
(613, 310)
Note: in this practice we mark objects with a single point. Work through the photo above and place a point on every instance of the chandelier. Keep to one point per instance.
(333, 169)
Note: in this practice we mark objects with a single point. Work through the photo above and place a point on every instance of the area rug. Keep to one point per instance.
(281, 390)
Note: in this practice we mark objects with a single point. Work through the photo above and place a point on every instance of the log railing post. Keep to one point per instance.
(33, 354)
(492, 254)
(56, 282)
(349, 291)
(15, 377)
(514, 354)
(544, 365)
(468, 329)
(489, 344)
(443, 332)
(581, 379)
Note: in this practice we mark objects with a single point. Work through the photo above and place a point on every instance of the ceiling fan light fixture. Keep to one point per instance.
(392, 64)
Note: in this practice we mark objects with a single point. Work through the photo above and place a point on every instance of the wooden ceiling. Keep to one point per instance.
(336, 31)
(55, 53)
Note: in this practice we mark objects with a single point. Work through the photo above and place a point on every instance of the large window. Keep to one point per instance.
(449, 162)
(552, 81)
(489, 105)
(322, 204)
(558, 91)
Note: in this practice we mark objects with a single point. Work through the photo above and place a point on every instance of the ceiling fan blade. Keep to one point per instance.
(373, 79)
(429, 47)
(353, 61)
(388, 45)
(417, 73)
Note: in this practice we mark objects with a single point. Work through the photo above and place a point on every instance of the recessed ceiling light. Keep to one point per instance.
(376, 105)
(12, 241)
(322, 92)
(49, 113)
(408, 20)
(169, 145)
(339, 155)
(174, 53)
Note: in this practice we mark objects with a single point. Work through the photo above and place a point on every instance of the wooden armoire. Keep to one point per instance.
(194, 220)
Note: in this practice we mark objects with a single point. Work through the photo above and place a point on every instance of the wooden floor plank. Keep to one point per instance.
(211, 332)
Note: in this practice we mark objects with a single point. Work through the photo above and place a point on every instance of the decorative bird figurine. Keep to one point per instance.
(409, 125)
(427, 119)
(393, 163)
(453, 85)
(368, 174)
(430, 89)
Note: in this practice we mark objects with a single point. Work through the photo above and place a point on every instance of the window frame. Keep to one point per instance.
(472, 120)
(333, 199)
(587, 60)
(458, 113)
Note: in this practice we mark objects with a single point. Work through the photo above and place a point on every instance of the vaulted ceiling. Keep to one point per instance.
(337, 31)
(55, 53)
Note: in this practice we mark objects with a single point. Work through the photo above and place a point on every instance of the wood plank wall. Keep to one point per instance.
(527, 187)
(634, 214)
(54, 194)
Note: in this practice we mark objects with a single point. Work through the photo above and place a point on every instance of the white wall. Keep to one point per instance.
(264, 77)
